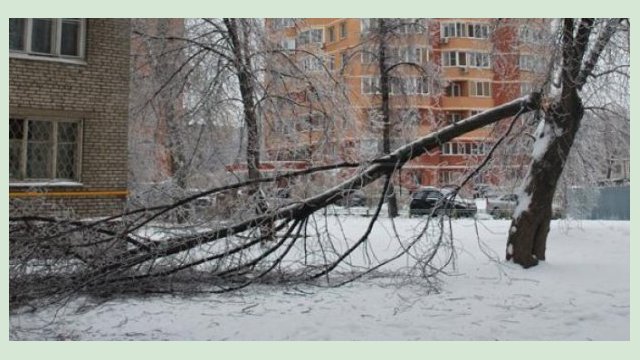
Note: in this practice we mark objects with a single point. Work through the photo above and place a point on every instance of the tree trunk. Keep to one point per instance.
(527, 240)
(240, 48)
(392, 201)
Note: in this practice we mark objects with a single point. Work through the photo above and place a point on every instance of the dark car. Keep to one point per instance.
(424, 200)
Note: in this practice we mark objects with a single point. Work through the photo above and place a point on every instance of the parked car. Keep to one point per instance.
(503, 206)
(353, 198)
(426, 199)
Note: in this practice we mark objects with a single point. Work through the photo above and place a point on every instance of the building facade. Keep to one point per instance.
(68, 116)
(466, 66)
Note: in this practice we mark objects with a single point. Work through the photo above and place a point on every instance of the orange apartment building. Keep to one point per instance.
(473, 65)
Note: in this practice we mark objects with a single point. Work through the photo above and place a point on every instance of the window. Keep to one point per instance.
(368, 56)
(448, 149)
(453, 118)
(530, 63)
(527, 34)
(370, 85)
(62, 38)
(282, 23)
(478, 31)
(408, 54)
(449, 58)
(461, 30)
(411, 26)
(288, 44)
(448, 176)
(480, 60)
(367, 25)
(453, 90)
(344, 59)
(331, 34)
(461, 58)
(313, 64)
(43, 149)
(343, 30)
(454, 58)
(312, 36)
(526, 88)
(409, 86)
(331, 62)
(423, 85)
(448, 30)
(465, 148)
(480, 88)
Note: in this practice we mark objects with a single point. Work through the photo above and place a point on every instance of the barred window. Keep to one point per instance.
(43, 149)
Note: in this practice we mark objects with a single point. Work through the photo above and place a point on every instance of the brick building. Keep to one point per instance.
(473, 65)
(68, 115)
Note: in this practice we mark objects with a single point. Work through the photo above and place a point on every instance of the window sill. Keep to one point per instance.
(23, 56)
(53, 183)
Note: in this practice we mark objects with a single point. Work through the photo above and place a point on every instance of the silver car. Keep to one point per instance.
(503, 206)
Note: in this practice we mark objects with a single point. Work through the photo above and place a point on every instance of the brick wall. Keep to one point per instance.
(97, 92)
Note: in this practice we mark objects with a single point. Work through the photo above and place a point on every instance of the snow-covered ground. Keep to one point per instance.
(580, 293)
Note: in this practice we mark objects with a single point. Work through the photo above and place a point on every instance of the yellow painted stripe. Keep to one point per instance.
(110, 193)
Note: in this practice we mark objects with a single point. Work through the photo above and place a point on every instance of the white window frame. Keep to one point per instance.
(465, 148)
(530, 62)
(367, 25)
(455, 58)
(56, 41)
(367, 56)
(456, 89)
(312, 64)
(448, 176)
(288, 43)
(529, 35)
(453, 117)
(409, 86)
(370, 82)
(23, 180)
(282, 23)
(478, 60)
(526, 88)
(459, 29)
(480, 88)
(306, 37)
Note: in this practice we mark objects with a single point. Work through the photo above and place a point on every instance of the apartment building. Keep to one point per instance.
(68, 116)
(467, 66)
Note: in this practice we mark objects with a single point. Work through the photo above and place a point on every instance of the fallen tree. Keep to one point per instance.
(245, 257)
